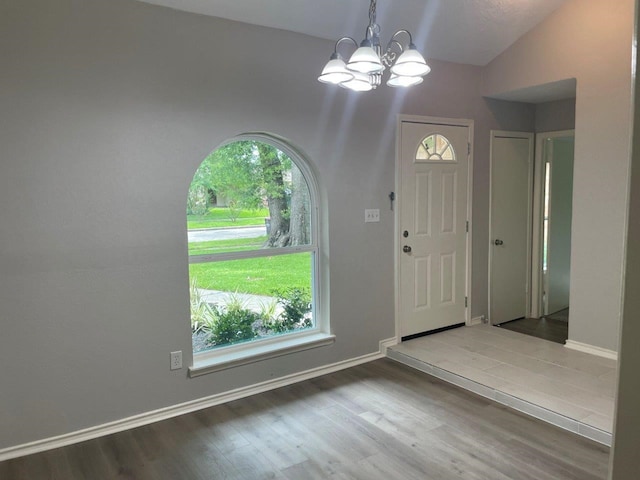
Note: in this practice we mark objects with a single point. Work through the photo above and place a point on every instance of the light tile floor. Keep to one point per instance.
(576, 385)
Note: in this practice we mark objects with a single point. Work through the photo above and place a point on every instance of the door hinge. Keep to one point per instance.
(467, 226)
(466, 302)
(468, 148)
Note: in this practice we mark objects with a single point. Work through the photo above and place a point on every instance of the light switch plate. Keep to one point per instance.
(372, 215)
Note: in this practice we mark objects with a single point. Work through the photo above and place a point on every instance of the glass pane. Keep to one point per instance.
(247, 195)
(242, 300)
(422, 153)
(545, 218)
(435, 148)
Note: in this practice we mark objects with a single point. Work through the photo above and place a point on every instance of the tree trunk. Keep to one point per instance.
(276, 196)
(300, 220)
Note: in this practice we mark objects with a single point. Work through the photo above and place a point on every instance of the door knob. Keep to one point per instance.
(406, 249)
(498, 242)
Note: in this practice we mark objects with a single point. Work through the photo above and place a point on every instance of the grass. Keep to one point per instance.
(219, 217)
(259, 276)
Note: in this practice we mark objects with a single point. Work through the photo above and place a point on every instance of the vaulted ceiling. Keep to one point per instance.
(463, 31)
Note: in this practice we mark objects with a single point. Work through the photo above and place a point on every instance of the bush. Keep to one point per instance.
(296, 304)
(234, 325)
(203, 315)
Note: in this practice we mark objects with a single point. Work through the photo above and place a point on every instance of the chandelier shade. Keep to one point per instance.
(411, 63)
(359, 83)
(369, 61)
(365, 59)
(403, 80)
(335, 71)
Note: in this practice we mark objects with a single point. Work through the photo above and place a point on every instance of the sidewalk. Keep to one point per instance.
(252, 302)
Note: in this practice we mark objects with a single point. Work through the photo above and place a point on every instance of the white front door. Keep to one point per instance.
(511, 183)
(432, 236)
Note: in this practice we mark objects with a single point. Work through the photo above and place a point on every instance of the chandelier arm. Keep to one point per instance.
(393, 37)
(344, 39)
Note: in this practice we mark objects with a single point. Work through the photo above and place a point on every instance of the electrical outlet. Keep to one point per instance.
(176, 360)
(372, 215)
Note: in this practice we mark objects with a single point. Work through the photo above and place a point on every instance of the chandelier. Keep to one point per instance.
(364, 70)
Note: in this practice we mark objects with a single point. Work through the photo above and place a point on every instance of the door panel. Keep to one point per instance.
(511, 161)
(434, 174)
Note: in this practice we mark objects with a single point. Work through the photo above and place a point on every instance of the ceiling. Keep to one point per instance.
(462, 31)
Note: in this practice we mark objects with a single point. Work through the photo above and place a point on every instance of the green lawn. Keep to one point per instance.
(219, 217)
(260, 276)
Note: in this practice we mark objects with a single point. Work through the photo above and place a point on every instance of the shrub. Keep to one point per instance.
(234, 325)
(296, 304)
(233, 210)
(268, 312)
(203, 315)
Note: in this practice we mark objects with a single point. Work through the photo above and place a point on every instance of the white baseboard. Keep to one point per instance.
(389, 342)
(187, 407)
(592, 349)
(477, 320)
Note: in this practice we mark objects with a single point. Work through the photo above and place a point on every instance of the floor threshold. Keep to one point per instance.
(502, 398)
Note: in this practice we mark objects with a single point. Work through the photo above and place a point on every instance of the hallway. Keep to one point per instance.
(554, 327)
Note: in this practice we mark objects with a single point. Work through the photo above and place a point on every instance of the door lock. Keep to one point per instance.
(406, 249)
(498, 242)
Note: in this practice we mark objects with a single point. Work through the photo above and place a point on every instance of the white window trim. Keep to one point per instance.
(242, 354)
(231, 356)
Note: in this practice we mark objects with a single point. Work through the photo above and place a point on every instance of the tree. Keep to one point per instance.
(232, 173)
(300, 217)
(247, 173)
(276, 193)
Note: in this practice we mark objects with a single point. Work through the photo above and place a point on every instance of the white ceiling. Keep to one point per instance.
(463, 31)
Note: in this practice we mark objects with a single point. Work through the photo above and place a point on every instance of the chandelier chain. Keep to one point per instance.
(372, 12)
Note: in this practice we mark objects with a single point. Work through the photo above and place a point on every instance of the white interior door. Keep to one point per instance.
(510, 211)
(434, 164)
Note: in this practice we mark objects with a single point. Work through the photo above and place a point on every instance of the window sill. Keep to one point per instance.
(211, 362)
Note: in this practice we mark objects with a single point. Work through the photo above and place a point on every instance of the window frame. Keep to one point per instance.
(258, 350)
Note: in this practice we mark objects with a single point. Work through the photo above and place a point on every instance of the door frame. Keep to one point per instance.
(538, 202)
(512, 134)
(397, 208)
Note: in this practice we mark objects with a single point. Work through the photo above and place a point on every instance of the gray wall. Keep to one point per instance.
(573, 43)
(624, 454)
(107, 108)
(555, 116)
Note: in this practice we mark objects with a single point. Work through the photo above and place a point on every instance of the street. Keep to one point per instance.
(226, 233)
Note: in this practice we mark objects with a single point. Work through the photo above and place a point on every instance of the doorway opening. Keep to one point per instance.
(548, 313)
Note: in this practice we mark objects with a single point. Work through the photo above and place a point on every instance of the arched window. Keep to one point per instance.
(253, 246)
(435, 148)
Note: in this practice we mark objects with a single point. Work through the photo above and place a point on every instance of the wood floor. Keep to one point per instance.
(554, 328)
(380, 420)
